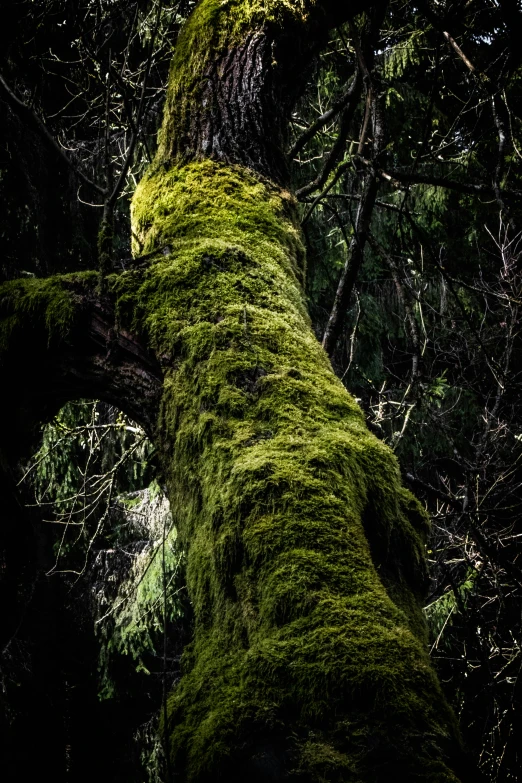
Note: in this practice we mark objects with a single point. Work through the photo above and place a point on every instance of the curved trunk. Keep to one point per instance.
(305, 554)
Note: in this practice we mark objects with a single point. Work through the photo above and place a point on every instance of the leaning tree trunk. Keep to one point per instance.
(305, 556)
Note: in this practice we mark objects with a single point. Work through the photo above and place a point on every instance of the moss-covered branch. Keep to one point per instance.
(305, 556)
(60, 340)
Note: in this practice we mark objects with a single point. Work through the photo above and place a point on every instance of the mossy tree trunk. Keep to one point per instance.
(305, 555)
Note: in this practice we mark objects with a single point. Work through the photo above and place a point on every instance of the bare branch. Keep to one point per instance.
(37, 124)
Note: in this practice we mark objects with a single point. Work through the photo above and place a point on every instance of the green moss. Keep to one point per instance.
(305, 556)
(37, 303)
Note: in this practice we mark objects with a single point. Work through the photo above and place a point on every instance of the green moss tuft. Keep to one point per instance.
(305, 556)
(36, 303)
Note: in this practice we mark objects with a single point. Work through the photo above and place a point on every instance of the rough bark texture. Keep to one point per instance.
(234, 120)
(235, 76)
(305, 554)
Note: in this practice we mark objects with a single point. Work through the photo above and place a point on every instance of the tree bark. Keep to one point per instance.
(305, 556)
(59, 341)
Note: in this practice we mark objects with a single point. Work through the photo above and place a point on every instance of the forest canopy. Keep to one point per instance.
(387, 146)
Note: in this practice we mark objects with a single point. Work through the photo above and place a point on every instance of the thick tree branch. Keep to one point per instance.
(73, 341)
